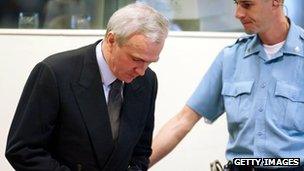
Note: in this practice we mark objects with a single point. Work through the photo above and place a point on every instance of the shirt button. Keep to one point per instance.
(260, 109)
(260, 133)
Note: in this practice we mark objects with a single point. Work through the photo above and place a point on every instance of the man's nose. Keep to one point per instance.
(239, 12)
(141, 69)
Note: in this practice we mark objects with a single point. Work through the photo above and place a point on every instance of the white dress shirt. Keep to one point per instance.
(106, 74)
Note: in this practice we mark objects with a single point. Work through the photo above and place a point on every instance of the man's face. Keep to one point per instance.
(255, 15)
(131, 59)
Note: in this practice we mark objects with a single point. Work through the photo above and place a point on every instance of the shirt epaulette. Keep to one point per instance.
(244, 38)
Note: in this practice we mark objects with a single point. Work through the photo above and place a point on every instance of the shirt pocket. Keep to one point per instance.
(293, 96)
(237, 100)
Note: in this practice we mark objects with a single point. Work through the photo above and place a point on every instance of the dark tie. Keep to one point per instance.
(114, 105)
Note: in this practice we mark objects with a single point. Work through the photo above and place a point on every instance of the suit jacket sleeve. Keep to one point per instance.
(142, 150)
(29, 140)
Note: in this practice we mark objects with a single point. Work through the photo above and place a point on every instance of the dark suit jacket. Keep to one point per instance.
(62, 123)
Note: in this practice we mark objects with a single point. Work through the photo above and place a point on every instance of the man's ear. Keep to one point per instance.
(110, 38)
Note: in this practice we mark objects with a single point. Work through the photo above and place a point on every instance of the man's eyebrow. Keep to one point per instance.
(155, 60)
(242, 1)
(144, 60)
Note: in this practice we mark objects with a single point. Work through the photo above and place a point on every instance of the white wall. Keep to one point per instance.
(184, 60)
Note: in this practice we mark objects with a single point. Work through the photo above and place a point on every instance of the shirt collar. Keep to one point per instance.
(107, 76)
(253, 46)
(293, 43)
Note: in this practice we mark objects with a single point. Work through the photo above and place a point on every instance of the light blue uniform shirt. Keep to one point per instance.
(263, 98)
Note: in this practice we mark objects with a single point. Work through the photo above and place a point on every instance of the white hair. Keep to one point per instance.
(138, 18)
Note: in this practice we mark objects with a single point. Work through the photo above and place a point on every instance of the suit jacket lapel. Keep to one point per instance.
(90, 97)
